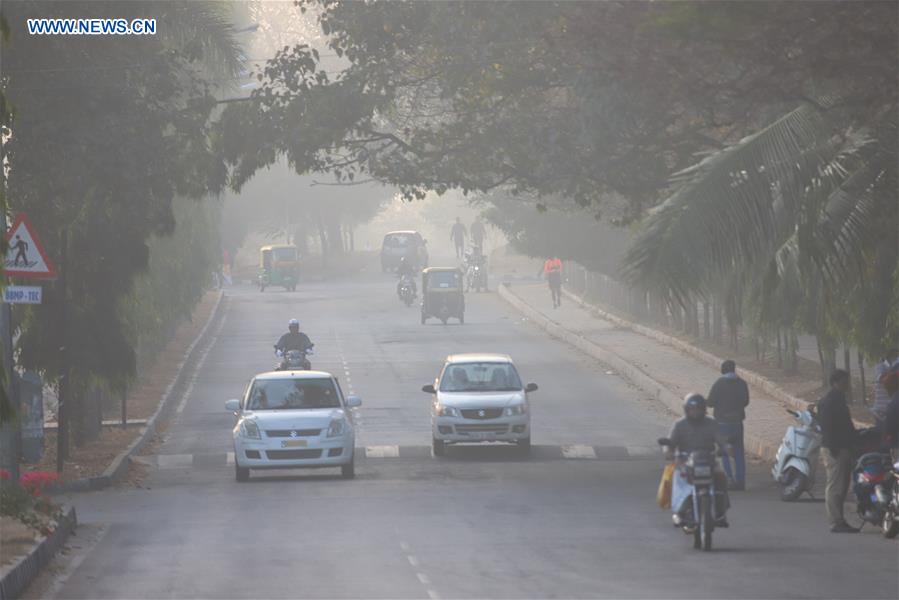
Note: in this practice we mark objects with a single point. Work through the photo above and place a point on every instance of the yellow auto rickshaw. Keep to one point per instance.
(441, 294)
(279, 265)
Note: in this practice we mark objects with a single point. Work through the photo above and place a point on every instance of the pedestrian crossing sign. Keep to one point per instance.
(25, 256)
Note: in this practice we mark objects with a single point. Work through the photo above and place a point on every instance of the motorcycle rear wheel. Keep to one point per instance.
(794, 484)
(890, 524)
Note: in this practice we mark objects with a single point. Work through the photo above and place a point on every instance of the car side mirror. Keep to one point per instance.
(428, 389)
(353, 401)
(664, 442)
(232, 405)
(531, 387)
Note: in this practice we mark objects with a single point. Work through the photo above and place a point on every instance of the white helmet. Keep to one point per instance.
(293, 323)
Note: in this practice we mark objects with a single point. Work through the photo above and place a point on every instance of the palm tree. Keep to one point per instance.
(811, 196)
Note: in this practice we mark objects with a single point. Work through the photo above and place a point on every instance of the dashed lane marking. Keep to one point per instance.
(382, 452)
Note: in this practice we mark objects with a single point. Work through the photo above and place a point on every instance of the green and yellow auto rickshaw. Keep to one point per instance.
(279, 265)
(441, 294)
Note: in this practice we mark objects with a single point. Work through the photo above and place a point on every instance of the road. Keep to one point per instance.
(578, 519)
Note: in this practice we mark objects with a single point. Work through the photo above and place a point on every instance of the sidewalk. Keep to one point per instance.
(648, 362)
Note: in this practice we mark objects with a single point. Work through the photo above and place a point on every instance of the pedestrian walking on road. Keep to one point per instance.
(838, 436)
(457, 235)
(552, 270)
(729, 398)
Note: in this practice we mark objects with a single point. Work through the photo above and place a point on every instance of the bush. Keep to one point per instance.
(25, 500)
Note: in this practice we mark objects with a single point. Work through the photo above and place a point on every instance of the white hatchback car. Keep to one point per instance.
(479, 398)
(293, 419)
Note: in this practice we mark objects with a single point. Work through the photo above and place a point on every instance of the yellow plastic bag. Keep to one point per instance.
(663, 496)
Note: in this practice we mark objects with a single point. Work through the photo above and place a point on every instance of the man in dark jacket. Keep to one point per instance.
(729, 398)
(838, 436)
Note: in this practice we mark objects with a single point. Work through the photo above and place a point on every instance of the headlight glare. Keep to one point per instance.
(250, 429)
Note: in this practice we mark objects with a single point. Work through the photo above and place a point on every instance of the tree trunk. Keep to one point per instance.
(88, 419)
(780, 356)
(847, 362)
(861, 371)
(794, 352)
(717, 322)
(706, 325)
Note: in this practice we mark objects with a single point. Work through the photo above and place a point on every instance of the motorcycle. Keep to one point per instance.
(797, 458)
(475, 273)
(697, 503)
(889, 525)
(293, 360)
(873, 483)
(406, 291)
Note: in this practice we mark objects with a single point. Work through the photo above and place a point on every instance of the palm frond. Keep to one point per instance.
(733, 210)
(203, 31)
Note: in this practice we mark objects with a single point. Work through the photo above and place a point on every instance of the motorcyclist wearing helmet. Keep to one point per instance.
(697, 431)
(406, 271)
(294, 339)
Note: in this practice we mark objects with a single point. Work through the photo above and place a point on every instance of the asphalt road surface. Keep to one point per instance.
(577, 519)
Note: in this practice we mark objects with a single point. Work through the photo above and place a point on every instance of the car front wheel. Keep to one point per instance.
(524, 446)
(439, 447)
(348, 471)
(241, 473)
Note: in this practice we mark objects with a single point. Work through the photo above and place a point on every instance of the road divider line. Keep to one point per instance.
(578, 451)
(382, 452)
(423, 578)
(175, 461)
(229, 459)
(412, 560)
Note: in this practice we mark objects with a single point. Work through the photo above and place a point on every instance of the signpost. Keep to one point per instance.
(22, 294)
(25, 259)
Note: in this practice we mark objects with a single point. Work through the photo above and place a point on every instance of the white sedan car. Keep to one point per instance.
(479, 398)
(293, 419)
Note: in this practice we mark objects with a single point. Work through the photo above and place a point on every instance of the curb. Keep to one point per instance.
(20, 575)
(751, 377)
(120, 463)
(658, 390)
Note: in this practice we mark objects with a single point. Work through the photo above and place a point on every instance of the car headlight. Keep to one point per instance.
(249, 429)
(336, 428)
(516, 409)
(448, 411)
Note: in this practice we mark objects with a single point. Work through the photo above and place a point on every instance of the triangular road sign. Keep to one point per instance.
(26, 256)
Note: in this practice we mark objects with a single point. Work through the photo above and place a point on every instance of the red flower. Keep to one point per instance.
(4, 474)
(36, 481)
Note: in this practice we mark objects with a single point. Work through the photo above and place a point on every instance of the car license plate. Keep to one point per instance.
(484, 435)
(293, 444)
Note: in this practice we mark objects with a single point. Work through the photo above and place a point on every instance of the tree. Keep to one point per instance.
(112, 129)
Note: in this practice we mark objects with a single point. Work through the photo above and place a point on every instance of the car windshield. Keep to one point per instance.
(398, 239)
(480, 377)
(293, 394)
(444, 279)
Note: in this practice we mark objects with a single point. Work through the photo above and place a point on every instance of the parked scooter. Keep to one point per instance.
(697, 503)
(293, 360)
(797, 458)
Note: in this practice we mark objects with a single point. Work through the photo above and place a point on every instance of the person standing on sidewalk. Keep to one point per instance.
(477, 233)
(729, 397)
(838, 436)
(552, 270)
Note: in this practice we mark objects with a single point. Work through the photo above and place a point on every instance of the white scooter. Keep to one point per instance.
(797, 458)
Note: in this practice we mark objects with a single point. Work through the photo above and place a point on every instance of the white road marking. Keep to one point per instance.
(578, 451)
(175, 461)
(229, 459)
(412, 560)
(433, 595)
(404, 546)
(423, 578)
(382, 451)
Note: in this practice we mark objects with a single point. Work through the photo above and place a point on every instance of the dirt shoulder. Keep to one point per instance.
(92, 458)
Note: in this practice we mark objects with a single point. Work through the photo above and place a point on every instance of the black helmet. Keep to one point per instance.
(694, 403)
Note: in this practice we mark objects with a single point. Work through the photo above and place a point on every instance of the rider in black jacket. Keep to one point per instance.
(294, 339)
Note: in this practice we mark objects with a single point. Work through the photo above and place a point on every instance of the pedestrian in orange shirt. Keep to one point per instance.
(552, 270)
